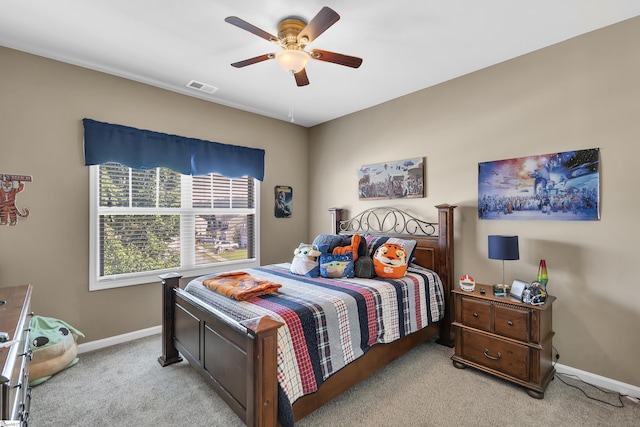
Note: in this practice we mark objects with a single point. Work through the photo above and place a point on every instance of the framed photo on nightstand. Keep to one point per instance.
(517, 287)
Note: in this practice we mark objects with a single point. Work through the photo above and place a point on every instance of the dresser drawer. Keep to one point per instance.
(476, 313)
(504, 356)
(512, 322)
(19, 392)
(24, 390)
(15, 394)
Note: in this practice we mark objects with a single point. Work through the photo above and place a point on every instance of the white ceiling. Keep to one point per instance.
(406, 45)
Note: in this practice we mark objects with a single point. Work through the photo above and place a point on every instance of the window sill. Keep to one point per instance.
(113, 282)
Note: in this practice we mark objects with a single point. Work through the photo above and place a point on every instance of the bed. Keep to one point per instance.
(242, 360)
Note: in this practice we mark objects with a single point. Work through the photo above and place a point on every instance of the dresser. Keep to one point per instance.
(15, 354)
(504, 337)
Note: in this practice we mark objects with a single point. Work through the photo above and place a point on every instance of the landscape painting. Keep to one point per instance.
(559, 186)
(392, 180)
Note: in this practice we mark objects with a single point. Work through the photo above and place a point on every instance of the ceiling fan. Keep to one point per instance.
(294, 34)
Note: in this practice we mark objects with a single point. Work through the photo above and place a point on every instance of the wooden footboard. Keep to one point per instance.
(238, 360)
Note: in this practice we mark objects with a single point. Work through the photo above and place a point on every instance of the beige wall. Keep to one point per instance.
(583, 93)
(42, 103)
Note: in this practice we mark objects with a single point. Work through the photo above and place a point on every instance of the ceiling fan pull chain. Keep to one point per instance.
(291, 104)
(291, 112)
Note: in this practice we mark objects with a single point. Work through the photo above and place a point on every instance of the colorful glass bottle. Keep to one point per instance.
(543, 277)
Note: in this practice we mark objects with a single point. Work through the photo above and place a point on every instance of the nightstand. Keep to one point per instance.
(504, 337)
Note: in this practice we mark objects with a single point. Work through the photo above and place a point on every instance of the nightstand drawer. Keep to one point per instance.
(500, 355)
(512, 322)
(476, 313)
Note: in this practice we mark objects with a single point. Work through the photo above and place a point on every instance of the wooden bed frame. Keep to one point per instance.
(239, 359)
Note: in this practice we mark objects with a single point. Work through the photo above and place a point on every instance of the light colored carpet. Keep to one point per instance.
(125, 386)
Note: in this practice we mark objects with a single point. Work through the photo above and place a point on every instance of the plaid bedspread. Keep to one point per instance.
(331, 322)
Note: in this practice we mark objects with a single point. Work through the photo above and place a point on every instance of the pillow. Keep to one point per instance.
(339, 265)
(353, 247)
(362, 249)
(363, 267)
(374, 242)
(362, 263)
(390, 261)
(305, 260)
(331, 241)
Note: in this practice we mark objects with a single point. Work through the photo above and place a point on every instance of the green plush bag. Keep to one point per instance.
(54, 348)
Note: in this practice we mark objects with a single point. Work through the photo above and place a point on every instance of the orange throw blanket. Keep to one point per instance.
(240, 286)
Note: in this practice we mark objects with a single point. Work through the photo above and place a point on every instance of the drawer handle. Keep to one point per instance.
(475, 314)
(510, 323)
(486, 353)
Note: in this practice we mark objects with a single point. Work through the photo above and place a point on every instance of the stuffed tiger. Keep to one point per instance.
(390, 261)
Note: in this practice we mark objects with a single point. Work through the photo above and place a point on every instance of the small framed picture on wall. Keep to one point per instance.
(283, 201)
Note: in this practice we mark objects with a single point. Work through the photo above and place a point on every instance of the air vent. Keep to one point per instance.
(201, 86)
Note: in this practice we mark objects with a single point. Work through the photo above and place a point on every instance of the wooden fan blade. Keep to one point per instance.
(319, 23)
(301, 78)
(240, 23)
(254, 60)
(336, 58)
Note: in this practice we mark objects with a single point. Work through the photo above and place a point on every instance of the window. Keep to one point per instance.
(144, 223)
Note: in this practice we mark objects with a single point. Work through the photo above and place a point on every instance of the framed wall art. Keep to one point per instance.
(283, 200)
(10, 186)
(558, 186)
(392, 180)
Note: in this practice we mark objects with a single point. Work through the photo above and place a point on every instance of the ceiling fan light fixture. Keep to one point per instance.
(294, 34)
(292, 60)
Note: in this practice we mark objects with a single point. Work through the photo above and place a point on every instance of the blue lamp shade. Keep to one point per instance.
(504, 248)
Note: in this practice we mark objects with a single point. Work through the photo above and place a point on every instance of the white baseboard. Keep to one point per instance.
(118, 339)
(600, 381)
(588, 377)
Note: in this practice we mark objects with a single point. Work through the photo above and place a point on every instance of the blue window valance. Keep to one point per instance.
(144, 149)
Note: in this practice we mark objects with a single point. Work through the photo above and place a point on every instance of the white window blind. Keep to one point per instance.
(148, 222)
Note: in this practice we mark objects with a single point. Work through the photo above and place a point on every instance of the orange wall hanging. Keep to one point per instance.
(10, 186)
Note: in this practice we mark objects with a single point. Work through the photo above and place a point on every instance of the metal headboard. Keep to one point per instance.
(387, 219)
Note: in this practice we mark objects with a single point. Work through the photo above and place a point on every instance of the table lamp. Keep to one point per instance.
(503, 248)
